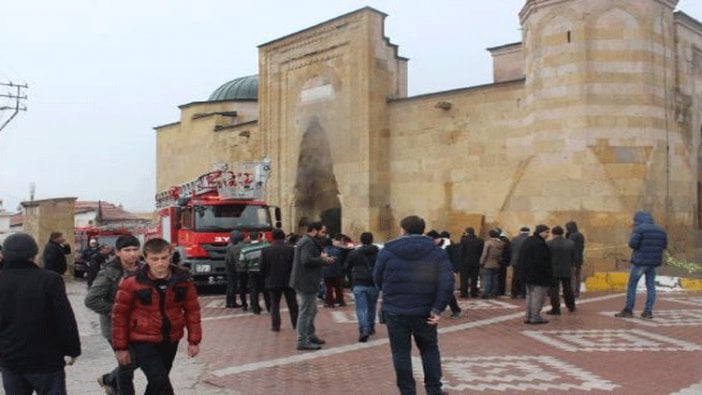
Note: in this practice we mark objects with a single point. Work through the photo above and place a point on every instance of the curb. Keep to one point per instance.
(617, 281)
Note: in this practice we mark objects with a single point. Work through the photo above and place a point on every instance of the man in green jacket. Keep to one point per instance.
(251, 259)
(101, 297)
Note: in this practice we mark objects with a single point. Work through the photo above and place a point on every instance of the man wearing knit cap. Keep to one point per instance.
(101, 298)
(537, 273)
(30, 358)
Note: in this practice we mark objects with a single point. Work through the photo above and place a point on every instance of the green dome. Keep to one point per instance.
(244, 88)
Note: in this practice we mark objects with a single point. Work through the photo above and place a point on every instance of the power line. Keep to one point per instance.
(18, 96)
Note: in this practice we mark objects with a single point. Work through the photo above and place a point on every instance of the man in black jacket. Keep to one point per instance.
(55, 252)
(276, 265)
(34, 300)
(563, 260)
(361, 263)
(572, 233)
(469, 268)
(535, 267)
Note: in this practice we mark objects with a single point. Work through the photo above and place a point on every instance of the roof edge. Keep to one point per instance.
(346, 15)
(504, 46)
(457, 90)
(687, 20)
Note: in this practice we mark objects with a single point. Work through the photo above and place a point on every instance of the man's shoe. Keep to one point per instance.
(309, 346)
(109, 390)
(342, 304)
(316, 340)
(647, 315)
(372, 331)
(244, 308)
(456, 315)
(624, 314)
(571, 309)
(363, 338)
(537, 322)
(553, 312)
(275, 329)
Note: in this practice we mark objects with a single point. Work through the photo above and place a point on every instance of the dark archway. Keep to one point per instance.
(316, 190)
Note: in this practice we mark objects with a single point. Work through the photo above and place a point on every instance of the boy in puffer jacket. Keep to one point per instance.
(152, 309)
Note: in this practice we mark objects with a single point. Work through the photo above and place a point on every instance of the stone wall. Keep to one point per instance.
(41, 217)
(322, 93)
(189, 148)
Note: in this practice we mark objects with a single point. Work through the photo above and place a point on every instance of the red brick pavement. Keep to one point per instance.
(487, 350)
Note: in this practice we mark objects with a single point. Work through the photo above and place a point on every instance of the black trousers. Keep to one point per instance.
(469, 275)
(121, 377)
(502, 280)
(25, 383)
(232, 285)
(564, 282)
(243, 288)
(156, 361)
(518, 288)
(290, 299)
(256, 285)
(453, 304)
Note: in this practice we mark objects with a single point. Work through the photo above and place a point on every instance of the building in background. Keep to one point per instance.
(596, 113)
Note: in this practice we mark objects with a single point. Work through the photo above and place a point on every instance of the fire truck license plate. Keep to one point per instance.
(203, 268)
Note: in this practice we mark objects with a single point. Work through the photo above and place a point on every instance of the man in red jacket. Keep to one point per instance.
(152, 309)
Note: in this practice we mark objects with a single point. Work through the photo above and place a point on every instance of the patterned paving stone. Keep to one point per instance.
(485, 304)
(693, 301)
(667, 318)
(515, 373)
(610, 340)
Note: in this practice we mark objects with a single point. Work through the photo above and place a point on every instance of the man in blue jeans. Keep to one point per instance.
(647, 241)
(361, 263)
(416, 279)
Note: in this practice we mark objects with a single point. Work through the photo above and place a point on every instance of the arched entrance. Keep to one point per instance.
(316, 190)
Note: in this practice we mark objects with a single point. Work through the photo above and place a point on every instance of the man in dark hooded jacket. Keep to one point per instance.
(416, 279)
(537, 273)
(647, 241)
(33, 301)
(572, 233)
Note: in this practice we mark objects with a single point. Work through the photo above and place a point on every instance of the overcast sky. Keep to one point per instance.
(103, 73)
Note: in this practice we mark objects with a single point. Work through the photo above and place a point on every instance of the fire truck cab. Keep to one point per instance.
(198, 216)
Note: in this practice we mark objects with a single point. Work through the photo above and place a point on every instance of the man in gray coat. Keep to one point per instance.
(101, 297)
(306, 274)
(563, 261)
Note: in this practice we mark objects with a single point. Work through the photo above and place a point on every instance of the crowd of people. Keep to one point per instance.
(146, 302)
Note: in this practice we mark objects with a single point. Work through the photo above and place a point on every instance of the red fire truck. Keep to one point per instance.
(199, 215)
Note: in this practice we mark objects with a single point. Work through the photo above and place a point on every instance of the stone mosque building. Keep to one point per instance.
(593, 115)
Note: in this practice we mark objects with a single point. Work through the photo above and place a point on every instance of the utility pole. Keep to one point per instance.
(14, 94)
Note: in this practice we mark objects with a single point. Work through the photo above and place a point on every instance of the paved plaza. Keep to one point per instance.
(487, 350)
